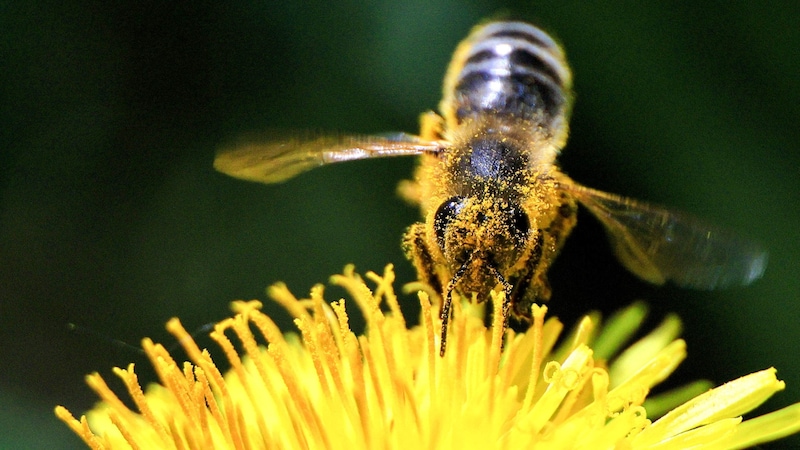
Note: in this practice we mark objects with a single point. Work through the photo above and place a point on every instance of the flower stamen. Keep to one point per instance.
(389, 388)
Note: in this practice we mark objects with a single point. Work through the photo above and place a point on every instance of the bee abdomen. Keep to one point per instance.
(508, 68)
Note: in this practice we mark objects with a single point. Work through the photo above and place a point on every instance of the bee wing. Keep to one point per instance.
(658, 245)
(274, 161)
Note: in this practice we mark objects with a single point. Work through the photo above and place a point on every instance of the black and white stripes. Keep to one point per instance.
(509, 68)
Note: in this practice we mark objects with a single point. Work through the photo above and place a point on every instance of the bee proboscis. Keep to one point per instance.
(497, 207)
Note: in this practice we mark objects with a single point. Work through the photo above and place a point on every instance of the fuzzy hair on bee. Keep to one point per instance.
(496, 206)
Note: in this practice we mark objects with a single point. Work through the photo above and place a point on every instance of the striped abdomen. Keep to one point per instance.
(508, 68)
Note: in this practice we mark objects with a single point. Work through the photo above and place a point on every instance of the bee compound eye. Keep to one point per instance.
(444, 216)
(518, 225)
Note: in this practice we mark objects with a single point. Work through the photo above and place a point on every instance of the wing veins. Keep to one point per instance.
(659, 245)
(277, 160)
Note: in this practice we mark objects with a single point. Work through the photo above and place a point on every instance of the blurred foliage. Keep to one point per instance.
(112, 217)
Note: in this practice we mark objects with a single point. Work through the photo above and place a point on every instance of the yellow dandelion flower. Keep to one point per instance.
(389, 388)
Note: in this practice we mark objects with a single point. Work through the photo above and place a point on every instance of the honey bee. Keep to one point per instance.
(497, 207)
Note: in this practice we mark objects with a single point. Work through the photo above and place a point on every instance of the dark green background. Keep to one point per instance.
(112, 217)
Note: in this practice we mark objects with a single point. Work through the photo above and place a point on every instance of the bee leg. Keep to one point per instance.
(506, 314)
(431, 126)
(445, 316)
(416, 249)
(532, 287)
(508, 290)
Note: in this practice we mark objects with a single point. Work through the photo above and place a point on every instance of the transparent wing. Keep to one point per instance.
(658, 245)
(275, 160)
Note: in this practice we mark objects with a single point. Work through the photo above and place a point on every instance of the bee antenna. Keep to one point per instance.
(448, 300)
(507, 289)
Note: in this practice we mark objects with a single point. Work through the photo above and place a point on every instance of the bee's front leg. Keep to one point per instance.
(415, 246)
(419, 253)
(531, 286)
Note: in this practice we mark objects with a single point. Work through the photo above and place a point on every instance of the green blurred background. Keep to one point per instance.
(112, 217)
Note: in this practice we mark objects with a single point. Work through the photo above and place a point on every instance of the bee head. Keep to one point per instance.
(481, 239)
